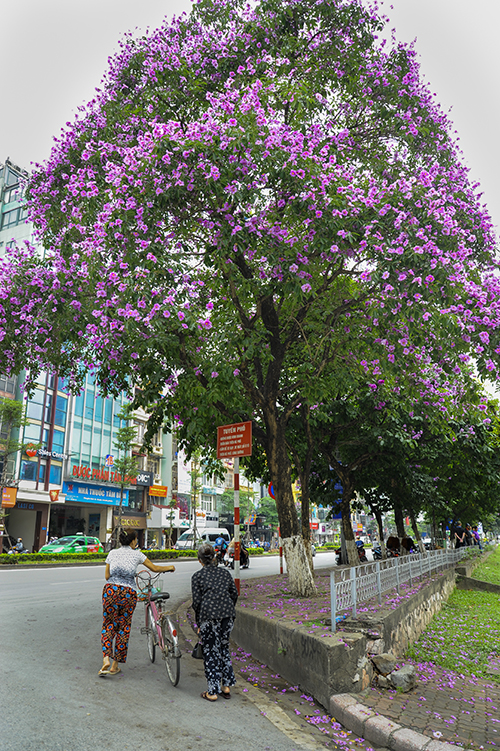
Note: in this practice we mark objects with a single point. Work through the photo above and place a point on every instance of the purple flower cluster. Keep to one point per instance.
(252, 159)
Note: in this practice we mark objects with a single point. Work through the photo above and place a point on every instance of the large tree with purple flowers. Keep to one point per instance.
(257, 201)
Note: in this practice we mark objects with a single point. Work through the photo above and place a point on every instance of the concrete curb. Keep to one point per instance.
(379, 730)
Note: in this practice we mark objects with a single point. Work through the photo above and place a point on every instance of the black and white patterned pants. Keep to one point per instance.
(216, 656)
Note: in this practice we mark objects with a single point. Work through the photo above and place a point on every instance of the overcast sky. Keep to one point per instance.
(54, 53)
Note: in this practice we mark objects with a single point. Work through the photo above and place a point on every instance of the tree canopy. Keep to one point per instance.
(257, 201)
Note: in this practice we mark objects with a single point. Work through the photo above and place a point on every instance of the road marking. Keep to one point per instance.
(76, 581)
(282, 721)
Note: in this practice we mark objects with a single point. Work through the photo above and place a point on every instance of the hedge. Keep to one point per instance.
(13, 558)
(153, 555)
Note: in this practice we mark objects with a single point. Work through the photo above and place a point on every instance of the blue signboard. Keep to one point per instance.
(82, 492)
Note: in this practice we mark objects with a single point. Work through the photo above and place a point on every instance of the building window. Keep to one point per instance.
(7, 384)
(55, 474)
(10, 218)
(89, 405)
(61, 408)
(35, 405)
(58, 441)
(108, 411)
(153, 466)
(140, 428)
(79, 406)
(98, 409)
(28, 470)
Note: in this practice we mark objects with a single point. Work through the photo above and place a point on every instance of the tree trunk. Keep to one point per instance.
(414, 527)
(304, 474)
(399, 520)
(345, 508)
(300, 576)
(380, 524)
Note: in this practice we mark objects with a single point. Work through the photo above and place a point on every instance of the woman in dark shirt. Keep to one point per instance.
(214, 597)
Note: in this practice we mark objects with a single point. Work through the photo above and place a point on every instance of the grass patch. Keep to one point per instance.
(464, 636)
(489, 571)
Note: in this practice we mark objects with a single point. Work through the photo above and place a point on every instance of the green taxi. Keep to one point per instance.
(73, 544)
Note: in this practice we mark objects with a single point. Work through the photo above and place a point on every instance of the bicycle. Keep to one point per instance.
(159, 628)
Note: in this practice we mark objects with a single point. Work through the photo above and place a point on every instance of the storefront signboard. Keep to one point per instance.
(160, 491)
(131, 522)
(84, 493)
(99, 474)
(9, 496)
(145, 478)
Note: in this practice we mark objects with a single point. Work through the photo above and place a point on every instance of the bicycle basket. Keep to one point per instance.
(148, 584)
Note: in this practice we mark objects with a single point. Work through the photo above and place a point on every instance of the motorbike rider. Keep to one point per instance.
(221, 546)
(244, 554)
(19, 547)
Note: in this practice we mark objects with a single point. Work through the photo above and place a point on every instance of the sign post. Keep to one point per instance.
(234, 441)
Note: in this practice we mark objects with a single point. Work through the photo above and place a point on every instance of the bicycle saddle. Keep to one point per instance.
(160, 596)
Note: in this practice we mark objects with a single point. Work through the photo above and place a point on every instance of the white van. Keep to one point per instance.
(203, 534)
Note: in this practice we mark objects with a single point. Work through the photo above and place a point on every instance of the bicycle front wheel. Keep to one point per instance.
(171, 650)
(151, 635)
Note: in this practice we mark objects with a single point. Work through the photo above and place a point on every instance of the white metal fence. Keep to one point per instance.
(361, 583)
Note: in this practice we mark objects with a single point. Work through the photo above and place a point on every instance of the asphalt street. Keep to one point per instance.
(53, 700)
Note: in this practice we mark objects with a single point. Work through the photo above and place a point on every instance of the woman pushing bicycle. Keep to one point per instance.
(119, 598)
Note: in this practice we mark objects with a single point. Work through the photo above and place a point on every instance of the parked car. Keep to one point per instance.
(74, 544)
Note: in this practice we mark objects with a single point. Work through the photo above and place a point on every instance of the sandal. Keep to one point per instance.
(204, 695)
(103, 671)
(114, 672)
(225, 694)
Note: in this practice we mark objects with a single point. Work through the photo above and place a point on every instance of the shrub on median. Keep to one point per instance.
(6, 559)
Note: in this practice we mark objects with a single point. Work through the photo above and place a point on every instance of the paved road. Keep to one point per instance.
(53, 700)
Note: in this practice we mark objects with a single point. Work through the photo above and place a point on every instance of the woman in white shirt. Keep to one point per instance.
(119, 598)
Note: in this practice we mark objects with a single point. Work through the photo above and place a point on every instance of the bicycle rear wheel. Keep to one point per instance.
(151, 625)
(171, 650)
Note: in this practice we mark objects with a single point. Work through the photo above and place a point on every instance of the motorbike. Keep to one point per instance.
(244, 557)
(361, 552)
(221, 553)
(377, 553)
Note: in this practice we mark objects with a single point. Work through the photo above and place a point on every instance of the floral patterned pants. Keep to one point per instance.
(216, 656)
(118, 605)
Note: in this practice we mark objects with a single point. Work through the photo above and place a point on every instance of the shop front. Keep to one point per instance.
(27, 513)
(130, 521)
(28, 520)
(88, 508)
(165, 525)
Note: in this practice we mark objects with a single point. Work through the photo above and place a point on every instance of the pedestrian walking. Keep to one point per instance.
(214, 597)
(469, 540)
(119, 598)
(476, 538)
(459, 535)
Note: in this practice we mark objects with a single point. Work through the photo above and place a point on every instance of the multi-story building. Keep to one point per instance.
(66, 480)
(13, 225)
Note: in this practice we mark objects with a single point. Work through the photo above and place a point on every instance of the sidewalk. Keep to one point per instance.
(446, 707)
(446, 710)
